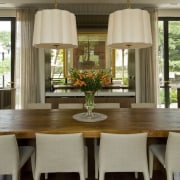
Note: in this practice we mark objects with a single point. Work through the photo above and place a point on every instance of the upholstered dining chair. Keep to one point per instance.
(39, 106)
(60, 153)
(107, 105)
(167, 154)
(70, 106)
(12, 156)
(143, 105)
(96, 146)
(123, 153)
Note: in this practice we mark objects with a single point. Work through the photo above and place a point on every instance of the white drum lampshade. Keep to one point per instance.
(129, 29)
(55, 29)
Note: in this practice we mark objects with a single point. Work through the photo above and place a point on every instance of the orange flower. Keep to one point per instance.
(90, 74)
(81, 75)
(90, 80)
(80, 83)
(106, 81)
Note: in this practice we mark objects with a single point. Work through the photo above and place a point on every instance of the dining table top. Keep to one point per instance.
(25, 123)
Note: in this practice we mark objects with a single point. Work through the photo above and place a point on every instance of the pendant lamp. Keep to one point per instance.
(129, 29)
(55, 29)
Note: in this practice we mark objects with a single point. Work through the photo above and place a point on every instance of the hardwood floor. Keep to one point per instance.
(158, 175)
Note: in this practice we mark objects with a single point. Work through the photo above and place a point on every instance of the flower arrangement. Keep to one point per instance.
(90, 80)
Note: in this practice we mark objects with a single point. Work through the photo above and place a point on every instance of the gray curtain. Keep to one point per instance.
(26, 69)
(148, 65)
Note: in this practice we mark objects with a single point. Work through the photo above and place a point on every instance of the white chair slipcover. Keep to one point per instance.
(12, 156)
(39, 106)
(167, 154)
(143, 105)
(107, 105)
(70, 106)
(60, 153)
(123, 153)
(96, 146)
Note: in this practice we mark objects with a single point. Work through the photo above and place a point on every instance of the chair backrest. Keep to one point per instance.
(63, 152)
(39, 106)
(143, 105)
(123, 152)
(172, 155)
(9, 154)
(107, 105)
(70, 106)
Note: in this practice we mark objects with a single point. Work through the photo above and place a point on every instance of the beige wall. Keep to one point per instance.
(7, 13)
(169, 13)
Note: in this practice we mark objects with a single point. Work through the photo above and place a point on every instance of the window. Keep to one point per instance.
(169, 60)
(7, 52)
(60, 63)
(121, 67)
(57, 65)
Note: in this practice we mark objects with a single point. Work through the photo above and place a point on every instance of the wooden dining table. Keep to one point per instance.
(25, 123)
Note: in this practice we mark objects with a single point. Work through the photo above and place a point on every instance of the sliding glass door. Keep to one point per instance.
(169, 60)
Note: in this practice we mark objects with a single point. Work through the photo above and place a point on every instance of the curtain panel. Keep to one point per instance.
(149, 82)
(26, 66)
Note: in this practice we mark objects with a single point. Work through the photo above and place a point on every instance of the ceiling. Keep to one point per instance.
(98, 7)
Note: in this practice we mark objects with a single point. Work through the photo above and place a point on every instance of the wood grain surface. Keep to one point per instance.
(25, 123)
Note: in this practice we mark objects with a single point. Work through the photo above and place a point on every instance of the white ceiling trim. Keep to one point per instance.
(88, 7)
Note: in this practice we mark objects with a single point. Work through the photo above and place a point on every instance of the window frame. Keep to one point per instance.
(166, 21)
(13, 33)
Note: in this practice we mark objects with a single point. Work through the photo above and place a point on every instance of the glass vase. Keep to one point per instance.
(89, 103)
